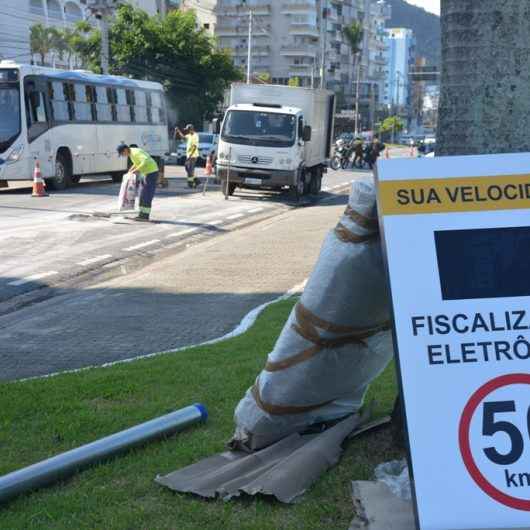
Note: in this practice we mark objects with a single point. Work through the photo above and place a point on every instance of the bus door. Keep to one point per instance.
(37, 122)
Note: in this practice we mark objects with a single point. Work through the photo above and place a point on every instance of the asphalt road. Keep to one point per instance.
(78, 289)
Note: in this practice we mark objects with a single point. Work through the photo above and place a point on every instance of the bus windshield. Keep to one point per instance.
(259, 128)
(9, 116)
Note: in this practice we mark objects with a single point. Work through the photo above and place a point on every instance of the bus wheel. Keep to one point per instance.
(117, 176)
(63, 174)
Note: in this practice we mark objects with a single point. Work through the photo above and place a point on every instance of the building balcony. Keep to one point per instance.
(299, 51)
(298, 8)
(262, 8)
(304, 29)
(242, 51)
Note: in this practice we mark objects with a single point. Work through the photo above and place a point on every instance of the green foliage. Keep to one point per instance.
(392, 123)
(43, 40)
(354, 35)
(44, 417)
(264, 77)
(171, 50)
(294, 81)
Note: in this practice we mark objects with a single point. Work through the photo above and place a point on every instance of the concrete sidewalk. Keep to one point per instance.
(197, 295)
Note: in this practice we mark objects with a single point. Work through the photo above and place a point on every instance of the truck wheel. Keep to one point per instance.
(316, 182)
(296, 192)
(228, 189)
(335, 163)
(63, 174)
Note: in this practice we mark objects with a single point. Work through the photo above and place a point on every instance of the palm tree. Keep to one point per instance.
(354, 34)
(42, 40)
(485, 96)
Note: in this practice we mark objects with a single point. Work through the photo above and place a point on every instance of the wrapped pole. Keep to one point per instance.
(66, 464)
(336, 340)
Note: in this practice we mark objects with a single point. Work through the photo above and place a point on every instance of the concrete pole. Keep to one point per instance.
(357, 92)
(249, 56)
(104, 44)
(324, 39)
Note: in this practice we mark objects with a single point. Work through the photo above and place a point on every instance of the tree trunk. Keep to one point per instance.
(485, 89)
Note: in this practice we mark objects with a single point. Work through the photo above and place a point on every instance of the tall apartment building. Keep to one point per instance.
(17, 16)
(204, 9)
(290, 38)
(401, 56)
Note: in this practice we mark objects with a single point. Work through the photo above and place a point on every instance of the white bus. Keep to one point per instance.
(72, 122)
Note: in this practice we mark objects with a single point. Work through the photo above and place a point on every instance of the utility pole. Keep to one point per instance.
(102, 10)
(324, 42)
(357, 93)
(249, 56)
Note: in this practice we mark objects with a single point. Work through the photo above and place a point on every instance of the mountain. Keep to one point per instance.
(426, 27)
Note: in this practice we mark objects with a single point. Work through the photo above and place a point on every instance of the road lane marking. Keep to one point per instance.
(255, 210)
(142, 245)
(97, 259)
(181, 233)
(216, 222)
(236, 216)
(32, 278)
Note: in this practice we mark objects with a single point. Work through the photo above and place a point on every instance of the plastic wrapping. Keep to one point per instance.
(395, 475)
(336, 340)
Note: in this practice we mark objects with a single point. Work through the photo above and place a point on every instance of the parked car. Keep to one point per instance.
(207, 143)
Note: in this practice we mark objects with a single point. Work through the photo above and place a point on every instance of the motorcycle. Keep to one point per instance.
(342, 155)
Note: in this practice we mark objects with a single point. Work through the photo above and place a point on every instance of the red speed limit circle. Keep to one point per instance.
(464, 439)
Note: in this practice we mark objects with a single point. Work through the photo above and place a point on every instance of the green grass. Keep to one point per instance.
(41, 418)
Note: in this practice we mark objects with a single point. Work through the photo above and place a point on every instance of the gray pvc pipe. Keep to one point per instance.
(61, 466)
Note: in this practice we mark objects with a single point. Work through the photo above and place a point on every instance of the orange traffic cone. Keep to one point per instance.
(387, 153)
(412, 151)
(209, 166)
(38, 182)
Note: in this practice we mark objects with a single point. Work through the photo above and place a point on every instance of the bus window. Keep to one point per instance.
(92, 100)
(122, 108)
(112, 99)
(140, 108)
(58, 105)
(83, 110)
(103, 108)
(149, 107)
(69, 96)
(131, 101)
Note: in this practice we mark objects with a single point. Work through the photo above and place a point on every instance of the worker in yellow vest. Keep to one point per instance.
(142, 164)
(192, 152)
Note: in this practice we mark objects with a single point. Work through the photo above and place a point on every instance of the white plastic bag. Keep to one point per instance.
(131, 188)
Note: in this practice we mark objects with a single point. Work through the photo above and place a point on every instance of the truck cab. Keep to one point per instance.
(262, 146)
(275, 137)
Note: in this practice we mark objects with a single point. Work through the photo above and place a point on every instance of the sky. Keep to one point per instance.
(430, 5)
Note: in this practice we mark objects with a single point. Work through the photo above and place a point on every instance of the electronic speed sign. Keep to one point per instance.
(456, 236)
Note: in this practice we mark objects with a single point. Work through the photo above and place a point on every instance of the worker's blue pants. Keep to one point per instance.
(148, 193)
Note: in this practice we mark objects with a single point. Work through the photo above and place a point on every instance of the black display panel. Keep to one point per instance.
(484, 263)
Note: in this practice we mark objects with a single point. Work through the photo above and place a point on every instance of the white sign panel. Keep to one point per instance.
(457, 242)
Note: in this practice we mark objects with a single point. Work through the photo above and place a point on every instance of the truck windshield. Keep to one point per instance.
(9, 116)
(259, 128)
